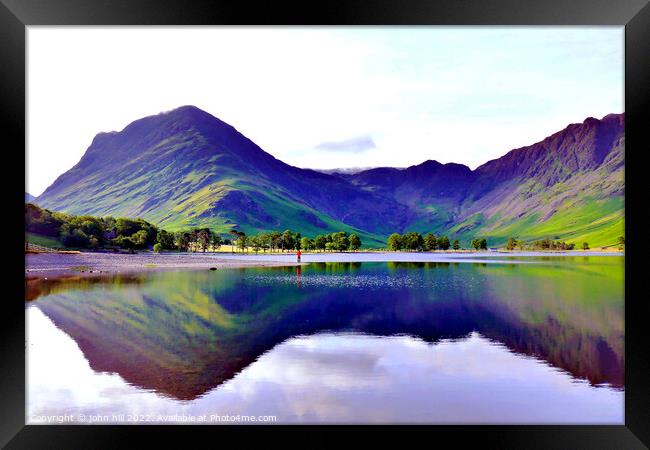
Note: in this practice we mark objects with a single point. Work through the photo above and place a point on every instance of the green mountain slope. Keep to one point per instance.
(570, 186)
(186, 168)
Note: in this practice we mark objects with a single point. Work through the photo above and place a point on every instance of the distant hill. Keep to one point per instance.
(187, 168)
(29, 197)
(344, 170)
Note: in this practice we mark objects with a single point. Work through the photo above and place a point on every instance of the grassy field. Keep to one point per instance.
(597, 222)
(45, 241)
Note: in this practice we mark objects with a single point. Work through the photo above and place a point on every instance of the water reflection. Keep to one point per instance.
(36, 287)
(333, 378)
(182, 334)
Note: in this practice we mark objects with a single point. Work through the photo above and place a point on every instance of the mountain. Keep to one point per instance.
(186, 168)
(29, 197)
(569, 186)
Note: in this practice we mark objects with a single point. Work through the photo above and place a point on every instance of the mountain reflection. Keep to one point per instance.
(184, 333)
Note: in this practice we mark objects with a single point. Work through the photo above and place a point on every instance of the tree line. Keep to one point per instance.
(554, 244)
(542, 244)
(416, 242)
(550, 244)
(108, 232)
(290, 240)
(89, 231)
(130, 234)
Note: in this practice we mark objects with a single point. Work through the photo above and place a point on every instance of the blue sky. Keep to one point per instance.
(323, 97)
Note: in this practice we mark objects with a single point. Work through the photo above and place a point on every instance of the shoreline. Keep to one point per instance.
(85, 264)
(54, 265)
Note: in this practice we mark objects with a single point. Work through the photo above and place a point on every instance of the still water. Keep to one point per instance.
(520, 340)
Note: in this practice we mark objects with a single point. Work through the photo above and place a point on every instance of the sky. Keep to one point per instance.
(322, 97)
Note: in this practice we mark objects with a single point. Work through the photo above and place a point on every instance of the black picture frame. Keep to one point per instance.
(634, 15)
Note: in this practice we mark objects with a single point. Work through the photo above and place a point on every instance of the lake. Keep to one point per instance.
(516, 339)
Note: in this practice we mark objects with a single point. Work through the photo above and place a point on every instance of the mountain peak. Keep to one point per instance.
(192, 115)
(188, 110)
(430, 163)
(172, 121)
(605, 118)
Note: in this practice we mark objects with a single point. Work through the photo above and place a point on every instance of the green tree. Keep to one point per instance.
(430, 242)
(235, 236)
(443, 243)
(340, 240)
(202, 236)
(183, 239)
(139, 238)
(479, 244)
(585, 246)
(242, 241)
(126, 227)
(413, 240)
(275, 239)
(157, 247)
(43, 221)
(355, 242)
(215, 241)
(288, 240)
(256, 243)
(108, 223)
(512, 243)
(320, 242)
(395, 242)
(93, 242)
(265, 241)
(125, 242)
(74, 237)
(165, 239)
(456, 245)
(621, 242)
(306, 243)
(150, 229)
(91, 226)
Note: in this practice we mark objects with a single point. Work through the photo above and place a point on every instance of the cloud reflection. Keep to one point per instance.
(336, 378)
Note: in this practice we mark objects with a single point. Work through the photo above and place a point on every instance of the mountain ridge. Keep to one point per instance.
(185, 167)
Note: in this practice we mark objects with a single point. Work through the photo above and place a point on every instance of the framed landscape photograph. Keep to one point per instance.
(373, 214)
